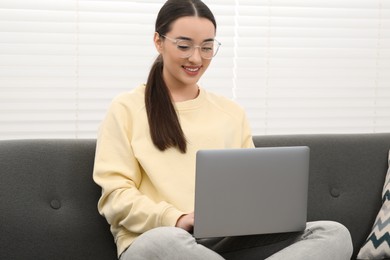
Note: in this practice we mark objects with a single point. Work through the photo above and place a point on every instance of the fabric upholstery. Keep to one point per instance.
(48, 202)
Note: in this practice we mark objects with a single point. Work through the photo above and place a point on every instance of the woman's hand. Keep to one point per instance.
(186, 222)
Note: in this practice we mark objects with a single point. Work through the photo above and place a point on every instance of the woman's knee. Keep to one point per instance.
(168, 243)
(333, 232)
(331, 228)
(156, 243)
(164, 237)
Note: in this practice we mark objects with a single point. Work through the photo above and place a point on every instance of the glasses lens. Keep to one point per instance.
(185, 47)
(210, 49)
(207, 50)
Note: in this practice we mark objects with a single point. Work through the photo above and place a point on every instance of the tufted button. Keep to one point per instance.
(335, 192)
(55, 204)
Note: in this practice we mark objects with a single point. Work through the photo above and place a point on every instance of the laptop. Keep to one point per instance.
(251, 191)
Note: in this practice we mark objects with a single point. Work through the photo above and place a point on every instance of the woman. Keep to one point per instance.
(145, 156)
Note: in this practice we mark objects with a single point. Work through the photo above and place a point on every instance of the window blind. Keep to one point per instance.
(314, 66)
(296, 66)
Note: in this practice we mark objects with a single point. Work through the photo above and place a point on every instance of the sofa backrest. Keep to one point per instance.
(48, 202)
(347, 174)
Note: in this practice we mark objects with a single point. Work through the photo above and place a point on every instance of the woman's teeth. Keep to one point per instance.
(192, 69)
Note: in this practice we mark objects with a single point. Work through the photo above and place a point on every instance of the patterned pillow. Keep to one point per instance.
(377, 245)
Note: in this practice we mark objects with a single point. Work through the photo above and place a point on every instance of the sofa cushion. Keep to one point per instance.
(48, 202)
(377, 245)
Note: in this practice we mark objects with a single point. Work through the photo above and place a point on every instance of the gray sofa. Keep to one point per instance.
(48, 199)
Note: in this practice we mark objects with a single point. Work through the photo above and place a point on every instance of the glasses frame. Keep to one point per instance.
(176, 41)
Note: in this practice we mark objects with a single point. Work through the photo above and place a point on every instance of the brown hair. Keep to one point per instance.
(164, 125)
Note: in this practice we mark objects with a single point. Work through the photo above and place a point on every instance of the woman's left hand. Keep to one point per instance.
(186, 222)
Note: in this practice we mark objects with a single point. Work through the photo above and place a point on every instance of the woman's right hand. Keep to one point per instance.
(186, 222)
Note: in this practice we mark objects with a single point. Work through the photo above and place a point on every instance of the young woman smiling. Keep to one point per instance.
(146, 147)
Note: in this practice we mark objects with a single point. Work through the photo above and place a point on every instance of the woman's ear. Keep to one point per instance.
(158, 42)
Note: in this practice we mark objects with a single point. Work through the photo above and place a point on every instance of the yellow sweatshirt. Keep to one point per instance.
(144, 188)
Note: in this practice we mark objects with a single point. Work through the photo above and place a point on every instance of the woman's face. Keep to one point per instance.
(181, 72)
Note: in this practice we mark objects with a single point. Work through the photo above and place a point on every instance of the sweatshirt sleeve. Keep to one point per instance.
(118, 173)
(247, 139)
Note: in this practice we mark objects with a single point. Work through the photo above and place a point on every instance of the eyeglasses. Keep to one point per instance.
(207, 49)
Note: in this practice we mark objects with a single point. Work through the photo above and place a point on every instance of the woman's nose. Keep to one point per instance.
(196, 57)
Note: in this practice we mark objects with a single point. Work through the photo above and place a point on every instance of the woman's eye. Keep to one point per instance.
(183, 47)
(207, 47)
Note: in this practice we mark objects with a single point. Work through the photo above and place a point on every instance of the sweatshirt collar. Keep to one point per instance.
(193, 103)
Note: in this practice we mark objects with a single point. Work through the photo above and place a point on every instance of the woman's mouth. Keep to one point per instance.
(192, 71)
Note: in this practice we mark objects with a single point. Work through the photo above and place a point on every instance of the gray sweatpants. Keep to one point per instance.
(325, 240)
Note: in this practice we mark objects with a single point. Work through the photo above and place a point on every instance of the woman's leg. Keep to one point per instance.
(168, 243)
(321, 240)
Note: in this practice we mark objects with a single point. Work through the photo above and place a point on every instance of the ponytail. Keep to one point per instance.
(164, 125)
